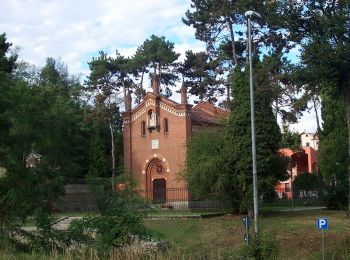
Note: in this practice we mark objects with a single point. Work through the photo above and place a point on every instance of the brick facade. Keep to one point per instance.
(156, 133)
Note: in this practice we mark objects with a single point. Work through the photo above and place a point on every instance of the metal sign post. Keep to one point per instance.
(322, 224)
(247, 223)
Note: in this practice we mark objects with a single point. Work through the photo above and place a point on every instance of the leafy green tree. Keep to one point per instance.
(322, 29)
(35, 119)
(7, 62)
(271, 168)
(333, 156)
(220, 165)
(26, 191)
(216, 21)
(290, 139)
(204, 158)
(305, 181)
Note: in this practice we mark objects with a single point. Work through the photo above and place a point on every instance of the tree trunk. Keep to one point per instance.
(347, 102)
(232, 35)
(276, 109)
(316, 112)
(142, 75)
(110, 124)
(141, 96)
(228, 95)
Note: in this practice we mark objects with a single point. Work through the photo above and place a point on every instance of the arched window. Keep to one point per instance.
(166, 125)
(143, 128)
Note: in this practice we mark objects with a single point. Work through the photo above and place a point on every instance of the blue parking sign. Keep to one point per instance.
(322, 223)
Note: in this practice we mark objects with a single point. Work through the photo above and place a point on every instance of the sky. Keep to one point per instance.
(76, 30)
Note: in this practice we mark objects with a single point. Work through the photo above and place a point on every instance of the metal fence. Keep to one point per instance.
(177, 199)
(298, 194)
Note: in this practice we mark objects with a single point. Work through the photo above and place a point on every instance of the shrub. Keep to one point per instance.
(120, 221)
(264, 248)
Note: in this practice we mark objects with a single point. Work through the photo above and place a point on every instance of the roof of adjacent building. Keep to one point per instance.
(208, 113)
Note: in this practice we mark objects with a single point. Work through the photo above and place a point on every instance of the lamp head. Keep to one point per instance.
(252, 14)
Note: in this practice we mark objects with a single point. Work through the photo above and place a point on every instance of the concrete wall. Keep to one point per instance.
(77, 197)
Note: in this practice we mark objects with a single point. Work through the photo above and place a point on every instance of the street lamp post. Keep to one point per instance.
(251, 15)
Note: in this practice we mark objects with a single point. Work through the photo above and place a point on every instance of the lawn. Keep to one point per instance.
(295, 234)
(221, 237)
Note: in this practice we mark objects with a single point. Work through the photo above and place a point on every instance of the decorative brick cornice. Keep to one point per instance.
(141, 110)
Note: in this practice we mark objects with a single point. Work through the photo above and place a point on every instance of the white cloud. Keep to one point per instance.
(76, 30)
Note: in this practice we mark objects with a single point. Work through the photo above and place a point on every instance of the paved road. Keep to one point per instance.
(61, 224)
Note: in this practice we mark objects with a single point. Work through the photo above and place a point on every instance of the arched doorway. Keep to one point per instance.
(155, 182)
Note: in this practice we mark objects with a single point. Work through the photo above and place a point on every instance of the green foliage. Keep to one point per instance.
(38, 119)
(107, 76)
(204, 158)
(263, 249)
(238, 157)
(7, 62)
(120, 221)
(222, 26)
(157, 54)
(220, 165)
(333, 157)
(98, 157)
(306, 181)
(322, 29)
(290, 139)
(199, 72)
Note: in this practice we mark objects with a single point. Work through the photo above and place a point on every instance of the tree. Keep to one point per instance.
(107, 76)
(333, 155)
(218, 24)
(157, 54)
(238, 167)
(35, 119)
(221, 168)
(306, 182)
(322, 28)
(199, 74)
(7, 63)
(216, 21)
(204, 158)
(222, 26)
(38, 121)
(290, 139)
(102, 79)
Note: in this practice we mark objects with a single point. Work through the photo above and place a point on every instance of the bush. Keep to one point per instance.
(264, 248)
(119, 223)
(336, 197)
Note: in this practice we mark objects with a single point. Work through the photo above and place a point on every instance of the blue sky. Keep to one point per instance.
(75, 30)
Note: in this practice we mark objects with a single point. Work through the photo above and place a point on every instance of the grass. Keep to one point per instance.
(221, 237)
(295, 233)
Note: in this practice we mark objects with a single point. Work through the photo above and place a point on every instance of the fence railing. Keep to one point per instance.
(300, 194)
(177, 199)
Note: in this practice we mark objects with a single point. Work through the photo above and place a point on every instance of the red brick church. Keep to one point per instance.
(156, 132)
